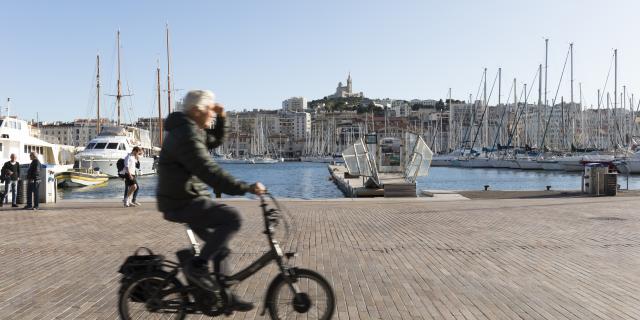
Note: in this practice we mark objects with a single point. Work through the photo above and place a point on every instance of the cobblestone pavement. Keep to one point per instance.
(408, 259)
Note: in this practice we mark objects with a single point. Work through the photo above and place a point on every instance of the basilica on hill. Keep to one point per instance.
(346, 91)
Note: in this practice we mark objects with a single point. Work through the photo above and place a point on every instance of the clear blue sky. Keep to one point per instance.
(257, 53)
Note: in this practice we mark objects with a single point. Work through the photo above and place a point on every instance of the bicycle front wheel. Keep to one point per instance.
(315, 298)
(154, 295)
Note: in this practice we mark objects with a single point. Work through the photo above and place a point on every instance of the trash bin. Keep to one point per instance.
(21, 196)
(611, 184)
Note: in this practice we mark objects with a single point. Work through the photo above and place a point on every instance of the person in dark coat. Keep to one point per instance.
(33, 182)
(185, 168)
(10, 174)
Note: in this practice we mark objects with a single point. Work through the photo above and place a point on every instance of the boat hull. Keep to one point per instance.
(502, 163)
(108, 166)
(72, 179)
(551, 165)
(529, 164)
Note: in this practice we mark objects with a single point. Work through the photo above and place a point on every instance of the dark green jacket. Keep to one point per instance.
(185, 163)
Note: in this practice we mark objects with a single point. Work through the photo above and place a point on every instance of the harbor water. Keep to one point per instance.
(306, 180)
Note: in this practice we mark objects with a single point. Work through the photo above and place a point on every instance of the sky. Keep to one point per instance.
(254, 54)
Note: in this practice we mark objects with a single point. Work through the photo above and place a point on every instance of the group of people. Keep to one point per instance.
(10, 175)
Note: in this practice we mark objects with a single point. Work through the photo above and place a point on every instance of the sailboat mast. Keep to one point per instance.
(539, 122)
(98, 95)
(526, 116)
(159, 107)
(119, 95)
(615, 88)
(484, 101)
(168, 73)
(571, 111)
(571, 49)
(449, 134)
(546, 69)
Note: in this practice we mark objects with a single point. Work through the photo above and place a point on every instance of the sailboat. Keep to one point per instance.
(115, 142)
(260, 148)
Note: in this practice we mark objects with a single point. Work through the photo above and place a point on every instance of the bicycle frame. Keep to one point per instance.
(275, 253)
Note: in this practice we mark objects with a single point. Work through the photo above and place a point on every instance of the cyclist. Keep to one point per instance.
(184, 167)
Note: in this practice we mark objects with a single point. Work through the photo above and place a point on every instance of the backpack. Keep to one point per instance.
(120, 167)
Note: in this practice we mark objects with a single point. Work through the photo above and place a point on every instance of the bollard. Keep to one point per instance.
(548, 188)
(486, 187)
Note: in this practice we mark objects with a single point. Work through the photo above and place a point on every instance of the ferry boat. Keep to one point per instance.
(15, 138)
(114, 143)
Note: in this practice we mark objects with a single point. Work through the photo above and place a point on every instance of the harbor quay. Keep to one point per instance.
(542, 258)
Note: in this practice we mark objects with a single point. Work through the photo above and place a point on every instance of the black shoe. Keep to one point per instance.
(198, 273)
(238, 304)
(14, 205)
(27, 208)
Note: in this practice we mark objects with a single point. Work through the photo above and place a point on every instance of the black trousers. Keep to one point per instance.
(33, 193)
(126, 189)
(214, 223)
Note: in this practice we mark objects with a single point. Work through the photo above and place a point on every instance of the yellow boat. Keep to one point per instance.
(81, 177)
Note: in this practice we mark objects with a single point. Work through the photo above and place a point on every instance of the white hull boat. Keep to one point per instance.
(114, 143)
(550, 165)
(261, 160)
(502, 163)
(529, 164)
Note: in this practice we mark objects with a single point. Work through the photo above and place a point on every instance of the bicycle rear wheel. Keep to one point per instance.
(315, 298)
(145, 297)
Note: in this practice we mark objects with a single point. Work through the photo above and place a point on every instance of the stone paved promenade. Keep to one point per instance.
(575, 258)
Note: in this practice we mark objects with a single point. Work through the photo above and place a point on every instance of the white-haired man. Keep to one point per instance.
(183, 166)
(33, 180)
(11, 175)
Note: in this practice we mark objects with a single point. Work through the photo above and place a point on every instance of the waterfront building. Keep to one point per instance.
(77, 133)
(294, 104)
(296, 125)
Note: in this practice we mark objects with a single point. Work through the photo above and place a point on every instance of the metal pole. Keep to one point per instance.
(539, 124)
(160, 129)
(119, 95)
(546, 68)
(98, 95)
(168, 72)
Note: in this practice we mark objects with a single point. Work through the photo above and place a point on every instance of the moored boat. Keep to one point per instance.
(81, 177)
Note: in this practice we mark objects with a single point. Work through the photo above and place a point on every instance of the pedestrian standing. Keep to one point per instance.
(33, 182)
(10, 174)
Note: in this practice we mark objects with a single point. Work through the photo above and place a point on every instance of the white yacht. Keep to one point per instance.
(631, 163)
(228, 159)
(114, 143)
(318, 159)
(15, 137)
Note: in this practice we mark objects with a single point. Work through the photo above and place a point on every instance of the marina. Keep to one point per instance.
(312, 181)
